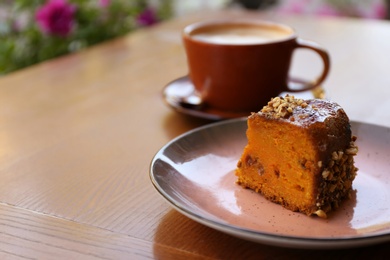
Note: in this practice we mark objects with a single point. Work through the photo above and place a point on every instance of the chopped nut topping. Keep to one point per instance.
(281, 107)
(352, 151)
(338, 175)
(320, 213)
(335, 156)
(325, 174)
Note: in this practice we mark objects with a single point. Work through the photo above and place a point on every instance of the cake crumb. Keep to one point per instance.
(320, 213)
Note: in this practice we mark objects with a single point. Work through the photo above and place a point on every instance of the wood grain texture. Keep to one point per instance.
(29, 235)
(77, 135)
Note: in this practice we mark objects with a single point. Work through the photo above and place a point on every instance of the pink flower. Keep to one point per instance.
(56, 17)
(147, 17)
(104, 3)
(377, 11)
(295, 7)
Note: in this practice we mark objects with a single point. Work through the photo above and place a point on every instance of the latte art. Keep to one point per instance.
(240, 35)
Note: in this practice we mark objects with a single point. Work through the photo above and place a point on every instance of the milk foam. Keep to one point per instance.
(240, 36)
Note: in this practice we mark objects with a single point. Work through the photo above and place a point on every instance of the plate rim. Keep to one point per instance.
(287, 241)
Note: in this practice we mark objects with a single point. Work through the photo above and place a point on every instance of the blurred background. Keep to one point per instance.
(32, 31)
(369, 9)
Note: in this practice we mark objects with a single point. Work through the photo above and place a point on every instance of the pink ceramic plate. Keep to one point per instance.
(195, 173)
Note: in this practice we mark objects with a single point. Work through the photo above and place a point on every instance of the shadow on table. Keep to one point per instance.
(176, 124)
(198, 241)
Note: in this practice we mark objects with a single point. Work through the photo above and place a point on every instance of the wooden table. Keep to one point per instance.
(77, 135)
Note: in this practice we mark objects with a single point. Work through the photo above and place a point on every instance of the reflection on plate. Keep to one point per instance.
(195, 174)
(182, 88)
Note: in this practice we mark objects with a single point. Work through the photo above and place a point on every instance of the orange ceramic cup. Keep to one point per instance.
(238, 65)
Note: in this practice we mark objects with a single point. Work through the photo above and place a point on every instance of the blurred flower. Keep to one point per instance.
(56, 17)
(374, 9)
(32, 31)
(327, 10)
(147, 17)
(104, 3)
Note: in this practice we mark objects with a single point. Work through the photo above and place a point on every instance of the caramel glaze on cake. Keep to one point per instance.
(299, 154)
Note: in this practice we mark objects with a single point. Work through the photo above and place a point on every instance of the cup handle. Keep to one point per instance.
(297, 85)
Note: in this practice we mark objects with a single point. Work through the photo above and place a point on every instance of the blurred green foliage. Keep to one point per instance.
(23, 43)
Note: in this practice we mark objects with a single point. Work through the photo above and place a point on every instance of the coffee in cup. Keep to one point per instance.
(238, 65)
(239, 34)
